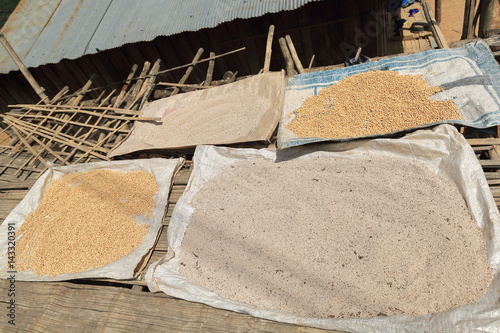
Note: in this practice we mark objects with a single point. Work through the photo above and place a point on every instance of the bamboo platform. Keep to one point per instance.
(105, 305)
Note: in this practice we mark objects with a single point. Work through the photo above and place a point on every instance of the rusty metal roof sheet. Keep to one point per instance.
(46, 31)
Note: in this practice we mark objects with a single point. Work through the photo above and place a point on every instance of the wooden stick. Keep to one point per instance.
(467, 31)
(97, 114)
(288, 57)
(131, 74)
(486, 17)
(169, 70)
(47, 148)
(77, 123)
(99, 143)
(60, 94)
(19, 63)
(437, 8)
(358, 53)
(294, 54)
(134, 91)
(210, 70)
(436, 30)
(311, 62)
(31, 149)
(269, 49)
(188, 71)
(60, 137)
(149, 84)
(196, 86)
(84, 89)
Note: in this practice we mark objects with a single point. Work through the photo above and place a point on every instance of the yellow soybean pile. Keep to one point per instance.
(86, 220)
(371, 103)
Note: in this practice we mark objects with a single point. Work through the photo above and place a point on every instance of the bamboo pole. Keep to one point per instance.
(196, 86)
(29, 147)
(188, 70)
(210, 71)
(49, 133)
(68, 109)
(170, 69)
(119, 99)
(19, 63)
(269, 49)
(77, 123)
(149, 84)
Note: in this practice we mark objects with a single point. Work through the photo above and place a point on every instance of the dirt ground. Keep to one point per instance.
(453, 15)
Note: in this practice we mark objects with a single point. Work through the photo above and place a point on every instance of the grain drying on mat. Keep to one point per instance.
(86, 220)
(335, 238)
(371, 103)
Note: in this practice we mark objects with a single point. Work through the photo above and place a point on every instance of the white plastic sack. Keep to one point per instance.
(123, 268)
(443, 150)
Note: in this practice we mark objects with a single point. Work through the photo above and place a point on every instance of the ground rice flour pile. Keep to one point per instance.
(369, 103)
(86, 220)
(335, 238)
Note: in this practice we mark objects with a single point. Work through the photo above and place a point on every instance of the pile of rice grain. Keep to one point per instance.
(86, 220)
(335, 238)
(369, 103)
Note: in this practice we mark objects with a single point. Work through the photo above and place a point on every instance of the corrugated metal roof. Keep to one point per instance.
(46, 31)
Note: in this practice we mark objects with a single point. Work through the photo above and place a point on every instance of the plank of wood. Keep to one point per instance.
(490, 164)
(182, 177)
(483, 142)
(69, 307)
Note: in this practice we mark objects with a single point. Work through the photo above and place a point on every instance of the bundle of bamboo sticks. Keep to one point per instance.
(68, 129)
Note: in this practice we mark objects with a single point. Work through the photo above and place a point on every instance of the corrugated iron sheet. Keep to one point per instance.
(46, 31)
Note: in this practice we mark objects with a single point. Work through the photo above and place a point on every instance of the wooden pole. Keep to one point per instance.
(467, 28)
(188, 71)
(436, 30)
(486, 17)
(210, 70)
(269, 49)
(290, 70)
(294, 54)
(437, 10)
(19, 63)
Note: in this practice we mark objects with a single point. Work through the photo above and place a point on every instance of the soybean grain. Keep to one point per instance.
(375, 102)
(86, 220)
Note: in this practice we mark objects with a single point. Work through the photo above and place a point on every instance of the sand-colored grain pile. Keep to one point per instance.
(369, 103)
(86, 220)
(335, 238)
